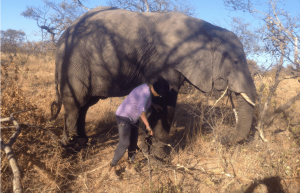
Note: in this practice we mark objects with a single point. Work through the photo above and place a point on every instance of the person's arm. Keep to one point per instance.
(145, 120)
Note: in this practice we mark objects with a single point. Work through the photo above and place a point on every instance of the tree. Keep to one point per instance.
(11, 40)
(246, 34)
(53, 18)
(279, 32)
(279, 37)
(182, 6)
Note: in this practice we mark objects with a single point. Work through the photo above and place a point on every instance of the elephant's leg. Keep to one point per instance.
(71, 117)
(74, 130)
(82, 138)
(161, 123)
(162, 129)
(161, 132)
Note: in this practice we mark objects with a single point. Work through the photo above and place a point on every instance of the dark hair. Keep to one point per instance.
(161, 86)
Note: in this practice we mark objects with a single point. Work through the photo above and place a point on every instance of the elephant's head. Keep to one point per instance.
(218, 61)
(232, 71)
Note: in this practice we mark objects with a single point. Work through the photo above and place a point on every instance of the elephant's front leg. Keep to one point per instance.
(161, 132)
(161, 123)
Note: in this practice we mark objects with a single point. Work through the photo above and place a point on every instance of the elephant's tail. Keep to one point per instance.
(56, 105)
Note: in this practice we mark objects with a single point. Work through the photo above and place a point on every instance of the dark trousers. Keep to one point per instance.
(128, 138)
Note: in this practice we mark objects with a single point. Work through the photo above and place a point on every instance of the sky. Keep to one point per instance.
(213, 11)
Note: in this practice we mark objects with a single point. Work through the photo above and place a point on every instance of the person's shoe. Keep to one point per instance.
(112, 173)
(130, 169)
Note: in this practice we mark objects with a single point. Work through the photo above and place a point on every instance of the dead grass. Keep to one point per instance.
(196, 164)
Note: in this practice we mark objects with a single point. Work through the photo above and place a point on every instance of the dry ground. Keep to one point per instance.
(197, 163)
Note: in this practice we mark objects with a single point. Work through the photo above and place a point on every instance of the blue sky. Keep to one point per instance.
(212, 11)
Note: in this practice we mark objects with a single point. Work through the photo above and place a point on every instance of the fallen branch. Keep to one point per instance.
(17, 186)
(150, 177)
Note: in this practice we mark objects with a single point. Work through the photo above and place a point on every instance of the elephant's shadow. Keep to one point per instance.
(272, 183)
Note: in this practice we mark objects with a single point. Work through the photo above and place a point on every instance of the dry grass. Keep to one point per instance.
(196, 163)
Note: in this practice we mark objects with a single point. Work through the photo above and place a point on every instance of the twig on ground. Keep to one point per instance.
(84, 174)
(24, 111)
(2, 156)
(175, 177)
(96, 169)
(52, 135)
(150, 177)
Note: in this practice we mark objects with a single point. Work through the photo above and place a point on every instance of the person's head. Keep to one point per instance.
(161, 87)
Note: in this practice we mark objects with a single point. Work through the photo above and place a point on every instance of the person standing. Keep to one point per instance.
(128, 114)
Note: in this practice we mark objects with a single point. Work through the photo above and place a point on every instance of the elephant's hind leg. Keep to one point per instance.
(74, 130)
(81, 119)
(71, 117)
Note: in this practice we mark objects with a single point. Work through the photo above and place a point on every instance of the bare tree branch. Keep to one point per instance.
(283, 108)
(278, 35)
(79, 2)
(146, 3)
(53, 18)
(161, 6)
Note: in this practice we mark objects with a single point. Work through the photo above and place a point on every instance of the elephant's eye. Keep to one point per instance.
(236, 62)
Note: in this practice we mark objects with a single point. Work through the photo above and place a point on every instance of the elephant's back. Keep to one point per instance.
(111, 46)
(109, 42)
(109, 29)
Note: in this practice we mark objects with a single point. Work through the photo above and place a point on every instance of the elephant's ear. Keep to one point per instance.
(195, 62)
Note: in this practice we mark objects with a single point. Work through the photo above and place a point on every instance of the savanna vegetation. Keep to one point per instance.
(267, 161)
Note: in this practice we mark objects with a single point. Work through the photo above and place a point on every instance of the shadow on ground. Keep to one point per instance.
(272, 183)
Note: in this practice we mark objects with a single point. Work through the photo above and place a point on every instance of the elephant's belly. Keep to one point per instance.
(109, 92)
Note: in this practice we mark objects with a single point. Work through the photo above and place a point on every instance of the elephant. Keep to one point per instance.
(107, 52)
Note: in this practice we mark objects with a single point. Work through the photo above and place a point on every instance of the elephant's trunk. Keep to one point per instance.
(245, 116)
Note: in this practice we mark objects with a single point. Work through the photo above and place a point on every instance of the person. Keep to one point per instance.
(128, 114)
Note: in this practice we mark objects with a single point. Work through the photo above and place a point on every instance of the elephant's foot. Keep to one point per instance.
(145, 146)
(64, 139)
(159, 152)
(153, 148)
(74, 143)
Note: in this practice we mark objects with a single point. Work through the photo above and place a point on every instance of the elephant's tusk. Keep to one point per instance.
(234, 110)
(247, 99)
(236, 115)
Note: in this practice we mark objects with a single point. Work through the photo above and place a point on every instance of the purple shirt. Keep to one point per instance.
(137, 101)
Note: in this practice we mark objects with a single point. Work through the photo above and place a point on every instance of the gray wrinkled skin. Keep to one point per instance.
(107, 52)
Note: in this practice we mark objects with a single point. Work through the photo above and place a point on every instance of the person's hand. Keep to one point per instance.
(150, 132)
(157, 107)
